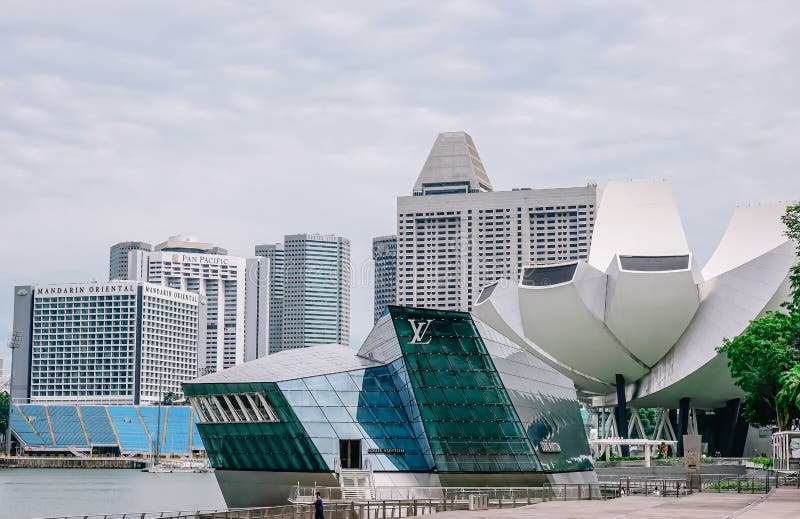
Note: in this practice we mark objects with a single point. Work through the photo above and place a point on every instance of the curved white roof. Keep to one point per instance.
(292, 364)
(636, 218)
(640, 306)
(752, 231)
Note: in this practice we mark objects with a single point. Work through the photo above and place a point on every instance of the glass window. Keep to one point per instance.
(300, 399)
(342, 382)
(349, 398)
(318, 383)
(310, 414)
(320, 430)
(337, 414)
(346, 430)
(327, 398)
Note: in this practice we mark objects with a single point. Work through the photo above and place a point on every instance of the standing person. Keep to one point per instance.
(318, 514)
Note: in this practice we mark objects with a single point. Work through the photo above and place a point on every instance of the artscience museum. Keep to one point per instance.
(638, 322)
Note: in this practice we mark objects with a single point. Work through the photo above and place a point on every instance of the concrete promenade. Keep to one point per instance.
(782, 503)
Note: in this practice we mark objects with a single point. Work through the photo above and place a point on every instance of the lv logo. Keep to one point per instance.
(420, 328)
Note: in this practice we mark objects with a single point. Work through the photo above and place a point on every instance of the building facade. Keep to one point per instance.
(274, 254)
(384, 256)
(184, 263)
(316, 284)
(120, 342)
(432, 399)
(256, 314)
(456, 235)
(118, 257)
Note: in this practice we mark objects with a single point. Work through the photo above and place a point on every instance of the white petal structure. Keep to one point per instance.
(640, 307)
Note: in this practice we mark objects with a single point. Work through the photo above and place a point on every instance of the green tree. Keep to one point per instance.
(649, 416)
(758, 358)
(792, 222)
(764, 358)
(5, 405)
(788, 397)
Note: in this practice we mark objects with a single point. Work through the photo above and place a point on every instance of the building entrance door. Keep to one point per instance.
(350, 454)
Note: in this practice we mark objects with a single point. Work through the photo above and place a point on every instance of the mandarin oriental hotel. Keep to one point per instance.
(121, 342)
(431, 399)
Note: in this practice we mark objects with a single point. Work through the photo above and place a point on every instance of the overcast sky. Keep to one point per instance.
(240, 122)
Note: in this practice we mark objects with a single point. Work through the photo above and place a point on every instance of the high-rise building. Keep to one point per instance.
(384, 254)
(274, 253)
(122, 342)
(118, 257)
(184, 263)
(256, 314)
(456, 235)
(316, 300)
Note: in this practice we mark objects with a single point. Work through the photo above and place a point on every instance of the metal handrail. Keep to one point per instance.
(587, 490)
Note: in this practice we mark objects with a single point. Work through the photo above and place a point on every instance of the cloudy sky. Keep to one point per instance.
(244, 121)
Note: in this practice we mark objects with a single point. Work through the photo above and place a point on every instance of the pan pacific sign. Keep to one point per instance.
(201, 259)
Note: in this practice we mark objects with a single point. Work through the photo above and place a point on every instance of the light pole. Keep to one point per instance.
(13, 343)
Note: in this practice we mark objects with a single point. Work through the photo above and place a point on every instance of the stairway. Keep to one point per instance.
(356, 484)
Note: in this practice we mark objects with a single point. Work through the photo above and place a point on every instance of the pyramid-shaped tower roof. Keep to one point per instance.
(453, 166)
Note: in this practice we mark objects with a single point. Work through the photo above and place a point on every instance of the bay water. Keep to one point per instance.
(36, 493)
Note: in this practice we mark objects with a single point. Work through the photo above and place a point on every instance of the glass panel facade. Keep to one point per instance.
(362, 404)
(462, 398)
(467, 416)
(545, 402)
(279, 446)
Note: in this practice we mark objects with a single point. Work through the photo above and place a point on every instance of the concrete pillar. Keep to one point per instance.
(622, 413)
(727, 426)
(740, 436)
(683, 423)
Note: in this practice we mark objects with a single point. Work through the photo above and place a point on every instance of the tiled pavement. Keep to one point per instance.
(782, 503)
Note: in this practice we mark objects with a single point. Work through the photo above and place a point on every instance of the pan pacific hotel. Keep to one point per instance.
(235, 290)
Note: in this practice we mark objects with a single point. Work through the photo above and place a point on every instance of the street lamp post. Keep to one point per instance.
(13, 343)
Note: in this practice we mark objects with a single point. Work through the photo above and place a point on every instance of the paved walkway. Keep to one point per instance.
(783, 503)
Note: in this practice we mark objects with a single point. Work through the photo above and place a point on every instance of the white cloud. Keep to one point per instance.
(242, 122)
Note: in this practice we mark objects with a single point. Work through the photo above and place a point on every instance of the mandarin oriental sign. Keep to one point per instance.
(170, 292)
(85, 289)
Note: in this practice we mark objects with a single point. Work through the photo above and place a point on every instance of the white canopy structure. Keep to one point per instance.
(640, 307)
